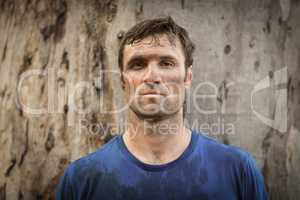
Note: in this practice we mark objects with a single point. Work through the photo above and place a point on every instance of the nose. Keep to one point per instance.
(152, 74)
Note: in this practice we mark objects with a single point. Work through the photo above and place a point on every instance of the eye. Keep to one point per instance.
(167, 63)
(136, 66)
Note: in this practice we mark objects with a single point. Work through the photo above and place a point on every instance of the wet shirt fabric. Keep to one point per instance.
(206, 170)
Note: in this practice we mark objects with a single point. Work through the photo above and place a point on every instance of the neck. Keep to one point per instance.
(157, 141)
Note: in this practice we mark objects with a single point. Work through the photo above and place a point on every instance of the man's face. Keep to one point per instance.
(154, 77)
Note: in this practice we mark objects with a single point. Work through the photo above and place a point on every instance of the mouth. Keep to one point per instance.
(152, 93)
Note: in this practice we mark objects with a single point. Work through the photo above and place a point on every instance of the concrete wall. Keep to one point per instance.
(245, 88)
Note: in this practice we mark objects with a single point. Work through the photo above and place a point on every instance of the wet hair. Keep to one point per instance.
(155, 28)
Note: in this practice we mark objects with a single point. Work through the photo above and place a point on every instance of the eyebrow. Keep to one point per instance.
(136, 58)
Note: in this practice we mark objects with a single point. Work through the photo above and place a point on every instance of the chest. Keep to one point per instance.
(171, 185)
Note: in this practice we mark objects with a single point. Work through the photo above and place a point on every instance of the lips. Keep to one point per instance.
(151, 93)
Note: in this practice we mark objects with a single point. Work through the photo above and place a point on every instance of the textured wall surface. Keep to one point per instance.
(60, 95)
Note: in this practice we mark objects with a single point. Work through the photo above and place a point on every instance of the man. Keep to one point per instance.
(158, 157)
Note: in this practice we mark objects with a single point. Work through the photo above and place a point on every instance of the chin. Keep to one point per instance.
(152, 112)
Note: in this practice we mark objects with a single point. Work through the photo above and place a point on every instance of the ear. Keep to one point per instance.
(188, 77)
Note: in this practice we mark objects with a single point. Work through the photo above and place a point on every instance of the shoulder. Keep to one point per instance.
(81, 172)
(229, 157)
(235, 162)
(93, 162)
(222, 152)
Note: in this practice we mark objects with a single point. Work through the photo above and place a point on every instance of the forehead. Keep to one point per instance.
(154, 46)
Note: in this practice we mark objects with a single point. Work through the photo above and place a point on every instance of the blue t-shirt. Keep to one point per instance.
(206, 170)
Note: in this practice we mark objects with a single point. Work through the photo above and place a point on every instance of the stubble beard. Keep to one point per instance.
(160, 113)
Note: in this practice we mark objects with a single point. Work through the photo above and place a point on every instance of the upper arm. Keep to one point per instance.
(64, 188)
(252, 181)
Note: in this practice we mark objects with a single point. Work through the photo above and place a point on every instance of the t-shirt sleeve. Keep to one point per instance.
(253, 187)
(64, 188)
